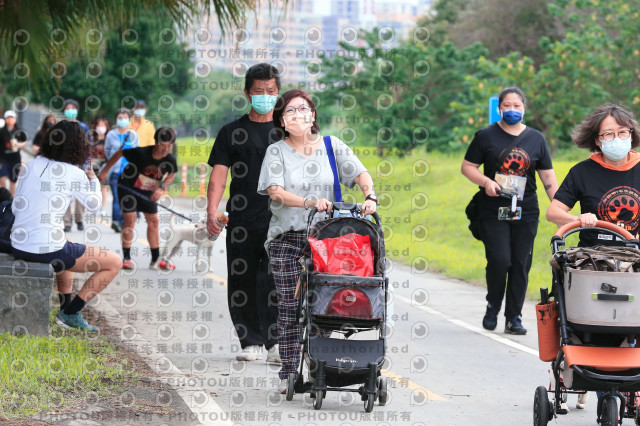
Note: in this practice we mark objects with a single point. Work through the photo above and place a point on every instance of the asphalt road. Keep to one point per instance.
(442, 367)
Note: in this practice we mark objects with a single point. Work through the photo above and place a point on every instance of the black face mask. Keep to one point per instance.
(48, 125)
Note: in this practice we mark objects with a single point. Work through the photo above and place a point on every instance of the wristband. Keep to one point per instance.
(304, 204)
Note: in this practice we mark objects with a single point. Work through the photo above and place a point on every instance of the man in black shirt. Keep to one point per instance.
(142, 182)
(240, 147)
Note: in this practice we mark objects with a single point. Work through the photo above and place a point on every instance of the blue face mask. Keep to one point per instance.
(512, 116)
(71, 113)
(263, 104)
(123, 123)
(140, 112)
(616, 149)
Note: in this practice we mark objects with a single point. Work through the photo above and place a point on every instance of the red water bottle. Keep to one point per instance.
(222, 220)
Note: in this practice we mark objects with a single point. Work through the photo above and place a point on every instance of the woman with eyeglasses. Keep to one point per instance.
(296, 174)
(607, 184)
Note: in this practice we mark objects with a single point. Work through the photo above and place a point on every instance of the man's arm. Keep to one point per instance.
(113, 160)
(217, 185)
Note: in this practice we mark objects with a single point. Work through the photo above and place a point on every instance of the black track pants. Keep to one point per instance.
(251, 293)
(509, 249)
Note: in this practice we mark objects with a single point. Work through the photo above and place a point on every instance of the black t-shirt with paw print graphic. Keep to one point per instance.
(529, 155)
(612, 195)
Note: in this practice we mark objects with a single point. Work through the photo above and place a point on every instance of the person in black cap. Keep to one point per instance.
(143, 127)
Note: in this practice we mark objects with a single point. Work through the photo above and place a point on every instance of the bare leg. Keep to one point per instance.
(152, 229)
(104, 264)
(127, 231)
(64, 281)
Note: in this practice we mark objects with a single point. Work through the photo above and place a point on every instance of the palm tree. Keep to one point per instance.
(35, 33)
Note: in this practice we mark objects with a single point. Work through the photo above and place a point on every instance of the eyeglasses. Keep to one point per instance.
(609, 136)
(290, 110)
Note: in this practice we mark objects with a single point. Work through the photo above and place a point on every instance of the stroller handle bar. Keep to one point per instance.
(353, 207)
(621, 232)
(564, 231)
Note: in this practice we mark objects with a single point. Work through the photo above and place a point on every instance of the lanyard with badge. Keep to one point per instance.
(511, 186)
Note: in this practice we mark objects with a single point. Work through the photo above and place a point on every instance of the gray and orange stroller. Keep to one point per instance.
(342, 292)
(590, 328)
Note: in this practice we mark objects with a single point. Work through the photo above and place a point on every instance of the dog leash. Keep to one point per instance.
(145, 198)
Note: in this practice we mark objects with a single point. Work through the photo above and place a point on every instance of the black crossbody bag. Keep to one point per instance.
(473, 208)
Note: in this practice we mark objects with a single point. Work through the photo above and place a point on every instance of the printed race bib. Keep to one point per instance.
(145, 183)
(512, 184)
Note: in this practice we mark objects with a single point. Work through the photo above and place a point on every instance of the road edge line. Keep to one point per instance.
(201, 411)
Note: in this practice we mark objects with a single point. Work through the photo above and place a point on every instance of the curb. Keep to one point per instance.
(203, 408)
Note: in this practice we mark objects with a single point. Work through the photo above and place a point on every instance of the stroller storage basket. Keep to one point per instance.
(346, 297)
(600, 301)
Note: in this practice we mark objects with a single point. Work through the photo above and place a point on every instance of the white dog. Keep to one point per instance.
(195, 234)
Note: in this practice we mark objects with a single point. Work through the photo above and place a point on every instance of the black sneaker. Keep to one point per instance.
(514, 326)
(80, 226)
(116, 227)
(67, 229)
(490, 320)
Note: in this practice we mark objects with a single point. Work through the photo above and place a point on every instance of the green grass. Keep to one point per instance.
(448, 247)
(194, 153)
(46, 374)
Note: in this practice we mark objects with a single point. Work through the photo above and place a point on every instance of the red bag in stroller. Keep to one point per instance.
(348, 254)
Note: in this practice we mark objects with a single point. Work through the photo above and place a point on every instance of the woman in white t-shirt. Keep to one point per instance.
(297, 175)
(46, 186)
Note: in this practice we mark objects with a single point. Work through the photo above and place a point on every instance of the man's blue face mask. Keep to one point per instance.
(263, 104)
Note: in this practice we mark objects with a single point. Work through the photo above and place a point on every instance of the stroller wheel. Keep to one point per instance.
(541, 410)
(382, 391)
(609, 412)
(291, 382)
(368, 403)
(317, 401)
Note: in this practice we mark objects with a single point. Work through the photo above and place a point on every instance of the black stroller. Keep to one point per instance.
(594, 309)
(343, 304)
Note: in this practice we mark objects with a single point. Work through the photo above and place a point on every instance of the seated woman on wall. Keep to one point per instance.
(45, 188)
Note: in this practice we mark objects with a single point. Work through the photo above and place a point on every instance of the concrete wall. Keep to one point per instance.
(25, 296)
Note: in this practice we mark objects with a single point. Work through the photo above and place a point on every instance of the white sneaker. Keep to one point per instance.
(250, 353)
(273, 354)
(282, 387)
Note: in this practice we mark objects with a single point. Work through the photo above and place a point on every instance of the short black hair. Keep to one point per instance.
(66, 142)
(123, 111)
(165, 134)
(73, 102)
(512, 89)
(261, 71)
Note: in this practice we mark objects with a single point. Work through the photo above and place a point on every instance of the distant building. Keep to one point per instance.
(294, 42)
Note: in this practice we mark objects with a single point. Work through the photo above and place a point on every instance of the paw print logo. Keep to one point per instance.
(516, 163)
(621, 206)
